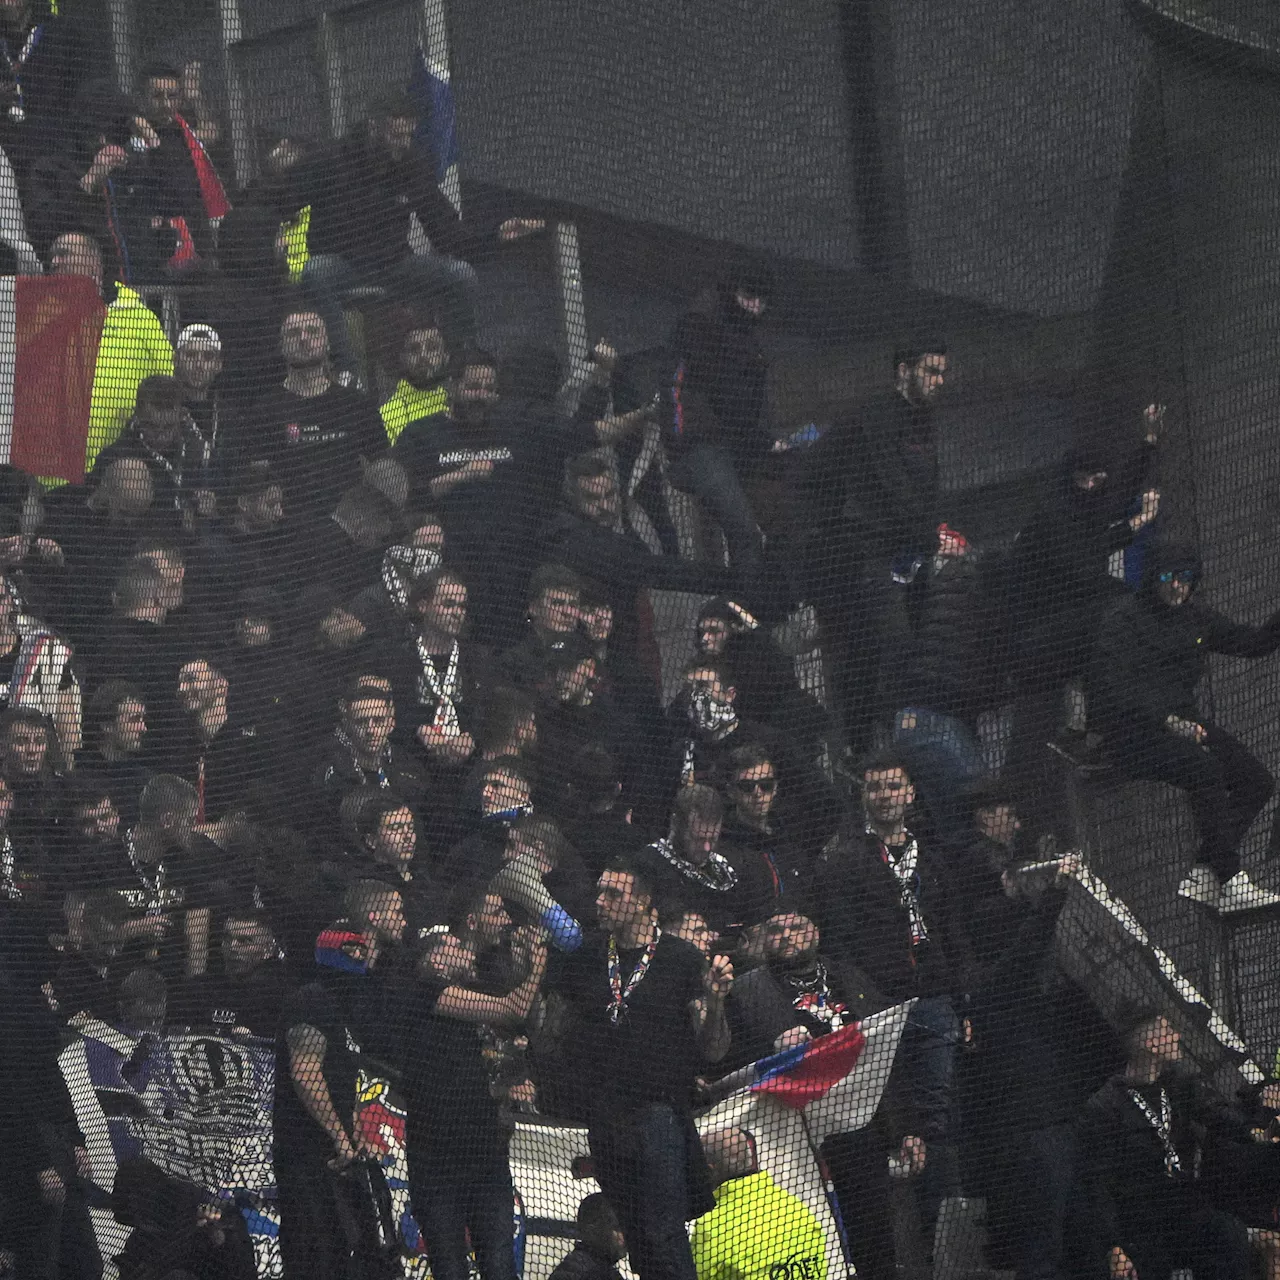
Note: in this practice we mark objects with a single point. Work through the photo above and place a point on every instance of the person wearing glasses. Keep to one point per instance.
(1151, 650)
(760, 824)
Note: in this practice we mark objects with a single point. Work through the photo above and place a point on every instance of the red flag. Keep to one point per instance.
(49, 335)
(797, 1077)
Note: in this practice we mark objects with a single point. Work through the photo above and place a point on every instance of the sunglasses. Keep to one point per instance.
(766, 786)
(1185, 576)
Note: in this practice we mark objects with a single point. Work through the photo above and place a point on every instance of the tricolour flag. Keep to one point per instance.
(799, 1076)
(49, 335)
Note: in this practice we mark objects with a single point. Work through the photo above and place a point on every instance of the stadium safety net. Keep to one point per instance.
(638, 640)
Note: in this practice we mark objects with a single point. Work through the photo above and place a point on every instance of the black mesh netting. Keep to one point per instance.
(636, 640)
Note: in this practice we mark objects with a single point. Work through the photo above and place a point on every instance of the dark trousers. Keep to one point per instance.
(642, 1168)
(858, 1165)
(707, 471)
(927, 1061)
(1212, 1243)
(453, 1198)
(1038, 1198)
(1226, 786)
(313, 1242)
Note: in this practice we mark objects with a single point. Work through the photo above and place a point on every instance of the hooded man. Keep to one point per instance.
(1149, 655)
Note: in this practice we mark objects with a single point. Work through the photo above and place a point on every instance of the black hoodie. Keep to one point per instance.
(1149, 657)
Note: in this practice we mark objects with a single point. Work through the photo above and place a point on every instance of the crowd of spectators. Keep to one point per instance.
(348, 729)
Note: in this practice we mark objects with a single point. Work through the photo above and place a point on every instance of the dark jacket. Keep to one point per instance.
(720, 382)
(1131, 1196)
(949, 659)
(857, 903)
(581, 1264)
(881, 471)
(361, 200)
(1149, 657)
(760, 1008)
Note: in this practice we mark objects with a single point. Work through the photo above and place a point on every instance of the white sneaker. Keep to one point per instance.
(1203, 886)
(1241, 894)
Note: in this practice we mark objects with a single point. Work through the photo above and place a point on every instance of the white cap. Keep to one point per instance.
(201, 334)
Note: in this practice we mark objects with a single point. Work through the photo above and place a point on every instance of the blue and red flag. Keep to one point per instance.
(799, 1076)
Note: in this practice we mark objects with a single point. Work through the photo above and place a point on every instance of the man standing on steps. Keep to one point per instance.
(651, 1013)
(1150, 653)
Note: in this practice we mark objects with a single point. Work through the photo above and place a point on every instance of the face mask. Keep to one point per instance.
(708, 714)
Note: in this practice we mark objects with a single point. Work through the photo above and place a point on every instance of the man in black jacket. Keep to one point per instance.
(361, 191)
(1142, 1136)
(1150, 654)
(945, 673)
(797, 995)
(881, 898)
(877, 492)
(600, 1244)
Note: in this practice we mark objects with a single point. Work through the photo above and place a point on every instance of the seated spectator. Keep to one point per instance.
(116, 751)
(1141, 1138)
(599, 1247)
(459, 1177)
(649, 1014)
(187, 192)
(1151, 650)
(420, 393)
(756, 1228)
(311, 430)
(132, 348)
(881, 898)
(244, 990)
(219, 755)
(360, 752)
(319, 1054)
(361, 190)
(162, 436)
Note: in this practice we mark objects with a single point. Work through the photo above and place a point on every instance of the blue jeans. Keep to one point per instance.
(450, 285)
(707, 472)
(927, 1058)
(642, 1168)
(480, 1200)
(944, 757)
